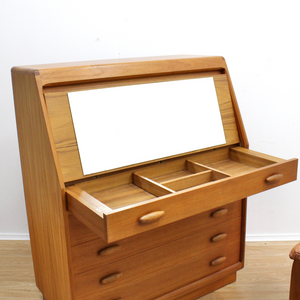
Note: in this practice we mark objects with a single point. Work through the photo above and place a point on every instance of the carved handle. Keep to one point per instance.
(109, 250)
(218, 261)
(219, 237)
(274, 178)
(219, 213)
(151, 217)
(110, 278)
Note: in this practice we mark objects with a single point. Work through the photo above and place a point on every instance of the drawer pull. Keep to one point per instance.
(274, 178)
(110, 278)
(109, 250)
(219, 237)
(152, 217)
(219, 213)
(218, 261)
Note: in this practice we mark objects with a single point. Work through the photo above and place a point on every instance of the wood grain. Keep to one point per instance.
(262, 278)
(266, 274)
(130, 67)
(295, 281)
(200, 199)
(85, 252)
(295, 277)
(64, 134)
(110, 203)
(139, 278)
(43, 187)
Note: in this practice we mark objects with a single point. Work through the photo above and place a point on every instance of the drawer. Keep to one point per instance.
(132, 202)
(88, 285)
(79, 233)
(91, 255)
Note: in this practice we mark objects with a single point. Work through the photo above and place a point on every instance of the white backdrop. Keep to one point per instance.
(259, 40)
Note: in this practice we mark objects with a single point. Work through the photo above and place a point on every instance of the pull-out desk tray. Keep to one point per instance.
(119, 206)
(168, 226)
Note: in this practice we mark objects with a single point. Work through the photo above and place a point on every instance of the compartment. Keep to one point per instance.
(130, 188)
(127, 203)
(192, 174)
(238, 161)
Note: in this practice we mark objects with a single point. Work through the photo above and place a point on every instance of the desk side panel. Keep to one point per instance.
(43, 191)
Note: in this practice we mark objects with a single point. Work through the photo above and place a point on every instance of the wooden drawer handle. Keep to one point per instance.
(110, 278)
(218, 261)
(274, 178)
(152, 217)
(109, 250)
(219, 213)
(219, 237)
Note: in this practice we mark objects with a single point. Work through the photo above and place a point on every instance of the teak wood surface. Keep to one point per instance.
(266, 275)
(295, 277)
(57, 191)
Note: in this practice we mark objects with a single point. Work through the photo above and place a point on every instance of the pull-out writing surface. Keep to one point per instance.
(126, 213)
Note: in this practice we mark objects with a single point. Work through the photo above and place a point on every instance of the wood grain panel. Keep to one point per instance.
(139, 281)
(85, 256)
(43, 189)
(64, 135)
(80, 234)
(130, 67)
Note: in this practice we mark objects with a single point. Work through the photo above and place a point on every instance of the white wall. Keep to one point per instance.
(259, 39)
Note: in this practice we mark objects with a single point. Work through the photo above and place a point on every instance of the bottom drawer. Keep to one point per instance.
(152, 285)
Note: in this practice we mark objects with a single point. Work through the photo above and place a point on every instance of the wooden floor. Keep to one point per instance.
(266, 274)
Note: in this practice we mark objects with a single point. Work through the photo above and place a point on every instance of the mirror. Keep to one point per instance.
(125, 125)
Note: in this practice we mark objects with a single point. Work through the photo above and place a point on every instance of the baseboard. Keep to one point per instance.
(272, 237)
(14, 236)
(249, 237)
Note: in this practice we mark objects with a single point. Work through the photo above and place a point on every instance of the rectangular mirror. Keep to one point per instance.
(126, 125)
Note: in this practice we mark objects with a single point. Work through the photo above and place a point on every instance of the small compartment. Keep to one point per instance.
(134, 187)
(238, 161)
(191, 174)
(116, 191)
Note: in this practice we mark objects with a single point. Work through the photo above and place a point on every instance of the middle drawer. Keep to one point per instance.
(88, 256)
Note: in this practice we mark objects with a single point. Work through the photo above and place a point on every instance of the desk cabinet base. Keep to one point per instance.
(182, 260)
(169, 228)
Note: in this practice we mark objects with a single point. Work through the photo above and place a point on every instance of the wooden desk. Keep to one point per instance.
(169, 228)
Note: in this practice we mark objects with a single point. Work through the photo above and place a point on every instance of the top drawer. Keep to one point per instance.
(121, 205)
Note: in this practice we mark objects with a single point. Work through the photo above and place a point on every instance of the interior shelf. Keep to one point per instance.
(144, 184)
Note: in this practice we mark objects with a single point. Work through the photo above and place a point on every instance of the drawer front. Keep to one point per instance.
(167, 278)
(97, 252)
(79, 233)
(163, 256)
(186, 203)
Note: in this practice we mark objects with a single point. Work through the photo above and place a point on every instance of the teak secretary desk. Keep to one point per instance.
(136, 173)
